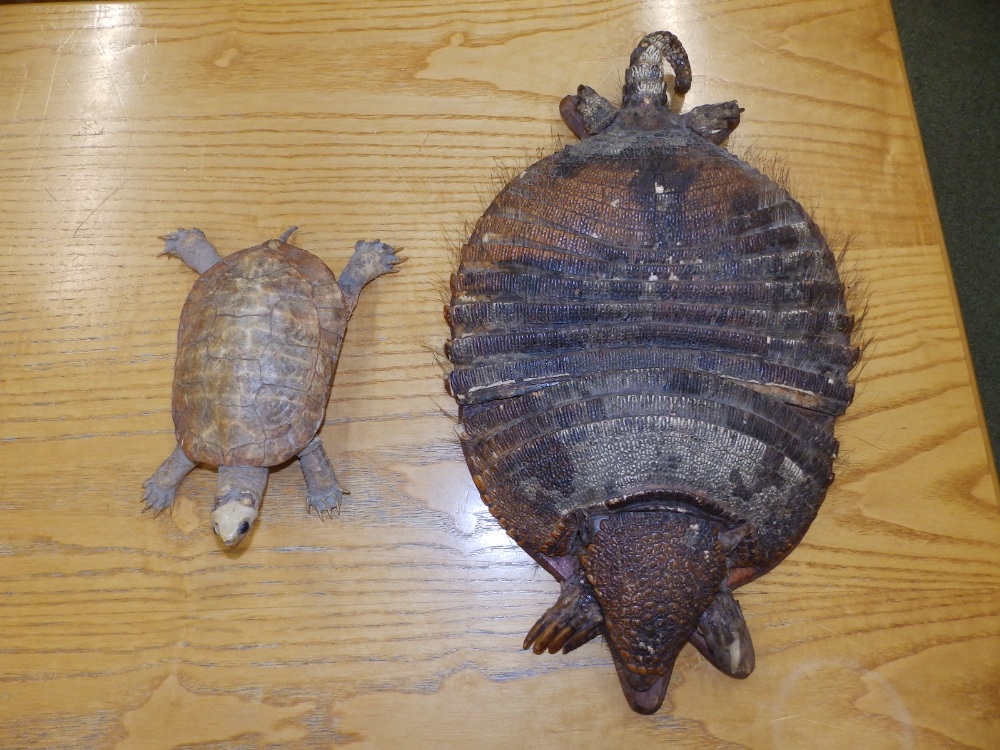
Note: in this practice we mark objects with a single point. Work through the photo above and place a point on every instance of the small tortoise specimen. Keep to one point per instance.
(651, 346)
(257, 347)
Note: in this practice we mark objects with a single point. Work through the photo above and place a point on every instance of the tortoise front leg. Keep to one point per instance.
(325, 492)
(369, 261)
(161, 488)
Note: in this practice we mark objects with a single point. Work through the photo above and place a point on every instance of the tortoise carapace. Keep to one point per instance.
(257, 347)
(650, 346)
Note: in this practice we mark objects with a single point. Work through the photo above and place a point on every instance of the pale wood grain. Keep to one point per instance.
(399, 623)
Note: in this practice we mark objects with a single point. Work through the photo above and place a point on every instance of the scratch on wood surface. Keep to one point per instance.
(98, 207)
(346, 625)
(44, 118)
(21, 69)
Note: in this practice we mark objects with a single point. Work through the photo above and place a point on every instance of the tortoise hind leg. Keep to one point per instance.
(324, 491)
(161, 488)
(573, 620)
(191, 246)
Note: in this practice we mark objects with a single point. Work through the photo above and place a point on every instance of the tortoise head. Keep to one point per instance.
(654, 572)
(233, 520)
(237, 502)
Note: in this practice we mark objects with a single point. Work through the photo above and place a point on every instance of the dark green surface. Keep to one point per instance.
(952, 53)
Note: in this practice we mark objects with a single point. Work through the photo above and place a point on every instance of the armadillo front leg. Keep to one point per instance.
(325, 492)
(161, 488)
(722, 637)
(573, 620)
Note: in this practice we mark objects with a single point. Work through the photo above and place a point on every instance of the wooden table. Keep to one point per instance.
(398, 624)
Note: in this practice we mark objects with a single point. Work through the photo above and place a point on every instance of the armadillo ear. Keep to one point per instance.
(654, 574)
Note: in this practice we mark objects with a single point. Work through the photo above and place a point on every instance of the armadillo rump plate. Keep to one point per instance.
(650, 346)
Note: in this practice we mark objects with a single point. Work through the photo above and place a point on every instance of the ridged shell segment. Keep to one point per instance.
(649, 313)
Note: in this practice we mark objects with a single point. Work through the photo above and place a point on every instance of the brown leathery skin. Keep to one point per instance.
(257, 341)
(650, 348)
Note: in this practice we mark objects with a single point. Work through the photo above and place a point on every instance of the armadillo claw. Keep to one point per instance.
(573, 620)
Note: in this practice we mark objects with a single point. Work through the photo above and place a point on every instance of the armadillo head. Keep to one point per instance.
(654, 572)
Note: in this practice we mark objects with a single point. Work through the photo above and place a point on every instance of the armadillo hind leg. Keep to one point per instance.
(192, 247)
(723, 638)
(587, 113)
(324, 491)
(713, 121)
(370, 260)
(573, 620)
(161, 488)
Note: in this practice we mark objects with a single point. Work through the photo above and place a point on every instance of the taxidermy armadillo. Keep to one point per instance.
(257, 347)
(650, 346)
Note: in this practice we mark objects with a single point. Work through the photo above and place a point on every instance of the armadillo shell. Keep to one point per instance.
(646, 311)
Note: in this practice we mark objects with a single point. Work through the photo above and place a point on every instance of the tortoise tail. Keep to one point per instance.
(644, 77)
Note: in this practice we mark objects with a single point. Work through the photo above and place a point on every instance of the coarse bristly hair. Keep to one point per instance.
(767, 163)
(455, 235)
(771, 166)
(856, 290)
